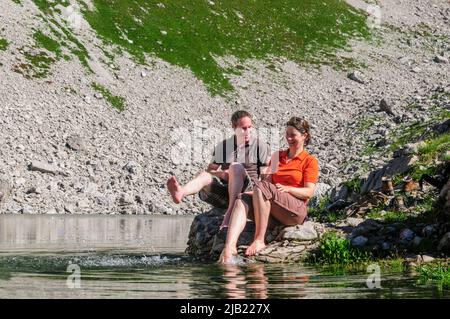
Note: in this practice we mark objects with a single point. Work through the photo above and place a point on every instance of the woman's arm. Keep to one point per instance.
(300, 192)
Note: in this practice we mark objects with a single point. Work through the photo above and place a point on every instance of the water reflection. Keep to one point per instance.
(253, 281)
(70, 233)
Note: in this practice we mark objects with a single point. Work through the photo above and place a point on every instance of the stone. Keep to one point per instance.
(406, 235)
(444, 244)
(385, 106)
(27, 210)
(303, 232)
(83, 204)
(396, 166)
(143, 74)
(357, 77)
(430, 231)
(386, 246)
(87, 99)
(98, 96)
(42, 167)
(132, 167)
(427, 259)
(354, 222)
(5, 190)
(440, 59)
(126, 199)
(75, 143)
(359, 241)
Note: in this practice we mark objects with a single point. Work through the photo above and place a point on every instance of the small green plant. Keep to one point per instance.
(335, 250)
(354, 184)
(47, 43)
(438, 274)
(3, 44)
(434, 147)
(117, 101)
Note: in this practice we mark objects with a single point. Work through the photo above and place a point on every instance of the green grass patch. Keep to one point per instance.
(335, 250)
(47, 43)
(434, 147)
(3, 44)
(354, 184)
(116, 101)
(438, 274)
(192, 34)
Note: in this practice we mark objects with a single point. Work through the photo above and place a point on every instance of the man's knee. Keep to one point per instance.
(236, 169)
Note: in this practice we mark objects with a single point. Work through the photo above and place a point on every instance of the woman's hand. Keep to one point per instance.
(283, 188)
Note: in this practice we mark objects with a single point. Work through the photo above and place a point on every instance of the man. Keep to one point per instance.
(235, 163)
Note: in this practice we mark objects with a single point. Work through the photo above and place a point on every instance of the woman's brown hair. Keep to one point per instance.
(302, 126)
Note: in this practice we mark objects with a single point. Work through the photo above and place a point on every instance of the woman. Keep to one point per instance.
(281, 197)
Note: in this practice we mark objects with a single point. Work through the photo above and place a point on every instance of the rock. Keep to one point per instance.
(396, 166)
(5, 190)
(338, 205)
(305, 232)
(143, 74)
(406, 235)
(34, 190)
(386, 246)
(98, 96)
(427, 259)
(430, 231)
(354, 222)
(417, 241)
(42, 167)
(132, 167)
(357, 76)
(27, 210)
(83, 204)
(75, 143)
(442, 128)
(339, 193)
(440, 59)
(87, 99)
(126, 199)
(444, 244)
(359, 241)
(385, 106)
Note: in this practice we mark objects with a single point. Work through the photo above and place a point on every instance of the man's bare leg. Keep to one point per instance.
(236, 176)
(261, 208)
(237, 225)
(178, 192)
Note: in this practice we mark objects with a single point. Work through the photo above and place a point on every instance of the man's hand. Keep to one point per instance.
(283, 188)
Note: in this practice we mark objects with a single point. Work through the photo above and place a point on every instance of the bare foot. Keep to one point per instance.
(175, 190)
(226, 257)
(255, 248)
(226, 220)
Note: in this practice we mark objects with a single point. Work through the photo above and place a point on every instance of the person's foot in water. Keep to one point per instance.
(226, 257)
(255, 248)
(175, 190)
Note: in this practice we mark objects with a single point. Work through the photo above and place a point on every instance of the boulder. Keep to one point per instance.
(75, 143)
(359, 241)
(396, 166)
(444, 244)
(305, 232)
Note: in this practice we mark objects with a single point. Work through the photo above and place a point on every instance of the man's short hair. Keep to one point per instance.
(238, 115)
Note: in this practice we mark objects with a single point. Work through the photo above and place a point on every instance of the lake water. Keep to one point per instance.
(143, 257)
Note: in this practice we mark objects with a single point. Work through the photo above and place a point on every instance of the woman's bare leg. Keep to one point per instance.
(237, 225)
(236, 177)
(261, 209)
(178, 192)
